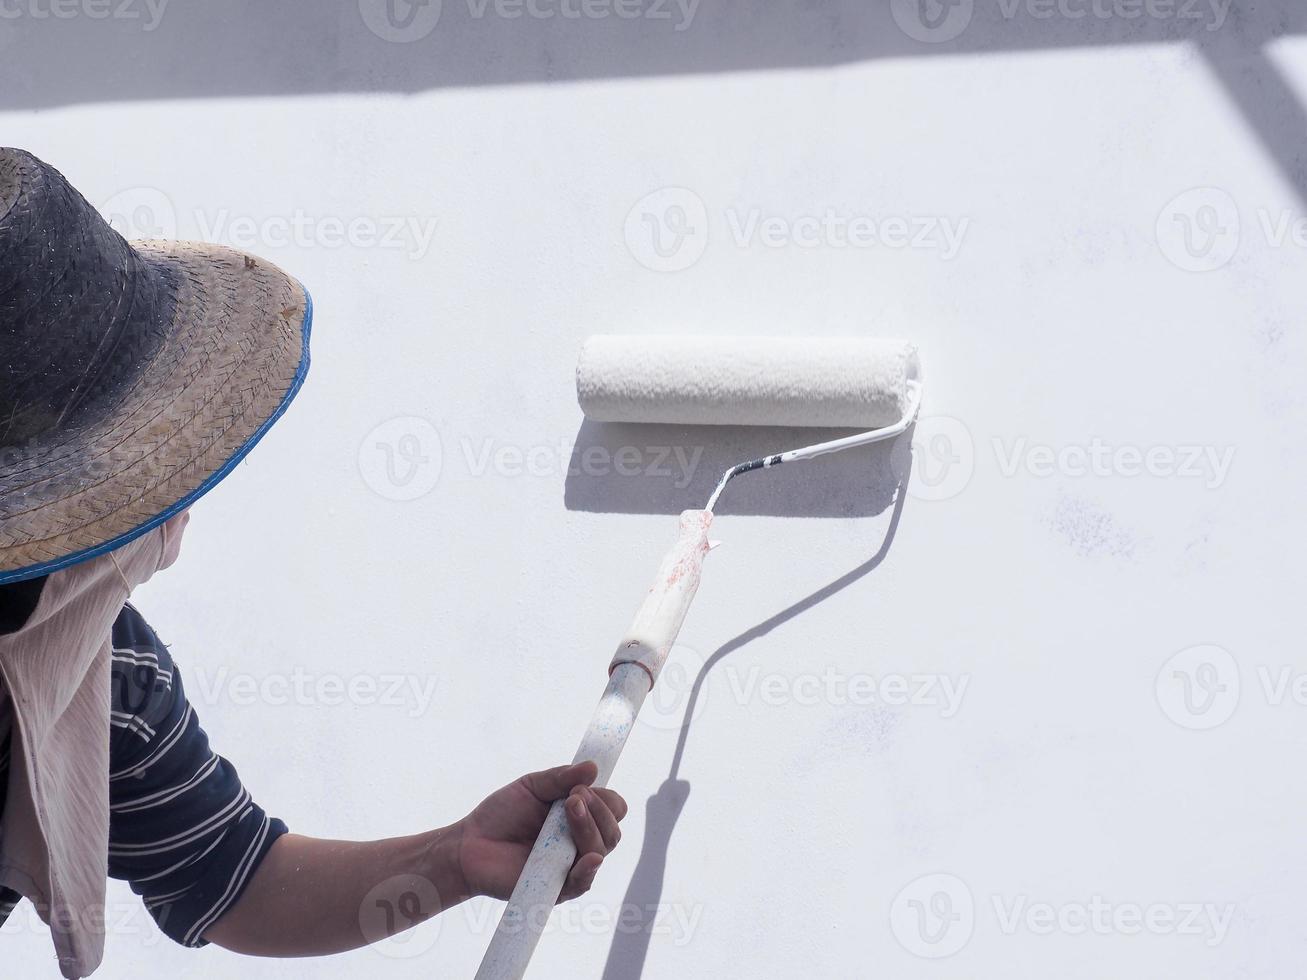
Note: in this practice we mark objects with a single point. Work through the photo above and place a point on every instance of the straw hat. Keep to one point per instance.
(133, 377)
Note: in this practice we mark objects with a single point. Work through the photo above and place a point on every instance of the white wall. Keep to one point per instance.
(1070, 317)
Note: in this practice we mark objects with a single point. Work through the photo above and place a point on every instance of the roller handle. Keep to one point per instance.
(632, 673)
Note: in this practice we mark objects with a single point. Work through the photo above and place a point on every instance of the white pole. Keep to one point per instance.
(632, 673)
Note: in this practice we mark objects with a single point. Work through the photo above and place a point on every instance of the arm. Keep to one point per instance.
(311, 897)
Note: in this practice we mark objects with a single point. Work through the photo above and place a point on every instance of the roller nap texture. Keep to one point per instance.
(709, 380)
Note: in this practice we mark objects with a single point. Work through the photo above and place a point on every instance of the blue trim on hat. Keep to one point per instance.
(212, 480)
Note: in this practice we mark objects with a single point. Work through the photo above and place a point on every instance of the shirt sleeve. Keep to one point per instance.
(182, 829)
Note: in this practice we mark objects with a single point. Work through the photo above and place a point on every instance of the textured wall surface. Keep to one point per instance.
(1019, 699)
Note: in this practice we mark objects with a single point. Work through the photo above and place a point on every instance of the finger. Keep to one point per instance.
(585, 832)
(613, 801)
(603, 817)
(552, 784)
(581, 877)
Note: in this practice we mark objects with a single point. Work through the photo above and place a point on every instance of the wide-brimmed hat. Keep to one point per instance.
(133, 377)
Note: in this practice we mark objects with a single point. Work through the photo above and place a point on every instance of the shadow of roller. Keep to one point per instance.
(640, 904)
(629, 468)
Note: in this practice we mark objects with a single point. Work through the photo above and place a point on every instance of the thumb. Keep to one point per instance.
(554, 784)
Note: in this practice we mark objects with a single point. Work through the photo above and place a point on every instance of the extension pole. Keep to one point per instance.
(632, 673)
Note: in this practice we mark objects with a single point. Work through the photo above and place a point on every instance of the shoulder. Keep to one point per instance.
(141, 678)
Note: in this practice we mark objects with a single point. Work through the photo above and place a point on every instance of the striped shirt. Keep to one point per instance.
(182, 829)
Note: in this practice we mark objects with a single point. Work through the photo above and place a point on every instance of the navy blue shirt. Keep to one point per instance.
(182, 829)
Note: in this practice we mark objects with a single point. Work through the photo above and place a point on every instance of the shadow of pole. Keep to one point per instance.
(640, 904)
(1268, 103)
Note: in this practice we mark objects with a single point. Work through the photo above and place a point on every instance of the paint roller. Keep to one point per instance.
(845, 382)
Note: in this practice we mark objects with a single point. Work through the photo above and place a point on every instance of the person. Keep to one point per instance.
(133, 377)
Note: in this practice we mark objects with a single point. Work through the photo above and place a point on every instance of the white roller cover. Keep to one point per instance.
(709, 380)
